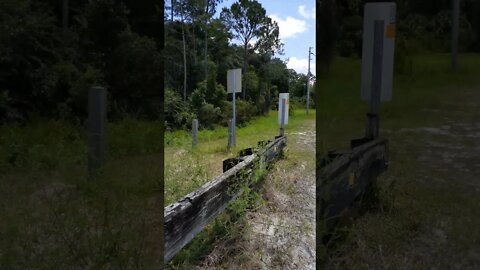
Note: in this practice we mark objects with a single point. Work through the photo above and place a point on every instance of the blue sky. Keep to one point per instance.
(296, 19)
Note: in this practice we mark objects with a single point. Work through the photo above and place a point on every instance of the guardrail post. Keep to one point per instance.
(97, 117)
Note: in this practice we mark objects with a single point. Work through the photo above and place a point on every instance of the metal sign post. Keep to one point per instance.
(387, 13)
(377, 60)
(372, 117)
(234, 120)
(234, 85)
(230, 137)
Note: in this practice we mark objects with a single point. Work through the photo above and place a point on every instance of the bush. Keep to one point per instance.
(177, 113)
(209, 115)
(134, 75)
(244, 110)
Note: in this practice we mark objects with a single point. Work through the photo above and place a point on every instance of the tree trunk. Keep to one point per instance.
(245, 65)
(172, 2)
(65, 15)
(206, 41)
(184, 61)
(195, 60)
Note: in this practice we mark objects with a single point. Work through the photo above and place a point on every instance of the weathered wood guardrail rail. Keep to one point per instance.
(346, 176)
(187, 217)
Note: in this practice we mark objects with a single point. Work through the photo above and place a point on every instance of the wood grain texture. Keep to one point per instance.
(346, 178)
(187, 217)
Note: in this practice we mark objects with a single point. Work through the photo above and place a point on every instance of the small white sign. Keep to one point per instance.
(234, 80)
(280, 110)
(386, 12)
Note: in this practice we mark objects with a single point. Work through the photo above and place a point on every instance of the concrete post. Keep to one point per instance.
(97, 118)
(194, 132)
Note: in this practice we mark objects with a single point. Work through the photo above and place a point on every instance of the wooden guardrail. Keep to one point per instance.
(187, 217)
(346, 176)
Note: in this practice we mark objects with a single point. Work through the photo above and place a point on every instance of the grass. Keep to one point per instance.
(426, 204)
(52, 215)
(341, 112)
(186, 169)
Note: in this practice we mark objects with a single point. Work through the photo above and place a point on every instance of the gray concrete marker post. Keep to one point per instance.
(455, 26)
(97, 118)
(282, 121)
(372, 116)
(194, 132)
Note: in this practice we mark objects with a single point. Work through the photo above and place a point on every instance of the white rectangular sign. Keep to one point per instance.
(280, 110)
(234, 80)
(385, 12)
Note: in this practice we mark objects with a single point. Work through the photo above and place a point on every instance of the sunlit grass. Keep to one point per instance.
(187, 168)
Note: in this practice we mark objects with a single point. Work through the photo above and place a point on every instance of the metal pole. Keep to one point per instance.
(308, 79)
(234, 139)
(455, 26)
(97, 117)
(282, 118)
(230, 135)
(194, 132)
(372, 116)
(233, 119)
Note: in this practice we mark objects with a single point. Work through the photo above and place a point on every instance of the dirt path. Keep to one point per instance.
(281, 234)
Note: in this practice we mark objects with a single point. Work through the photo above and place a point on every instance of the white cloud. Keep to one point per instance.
(289, 27)
(307, 14)
(300, 65)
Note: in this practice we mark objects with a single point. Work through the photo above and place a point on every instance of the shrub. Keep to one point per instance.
(177, 112)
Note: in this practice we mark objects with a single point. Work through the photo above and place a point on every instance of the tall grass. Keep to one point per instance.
(188, 168)
(341, 112)
(52, 215)
(414, 207)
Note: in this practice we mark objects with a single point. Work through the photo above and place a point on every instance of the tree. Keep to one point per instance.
(248, 21)
(327, 29)
(210, 9)
(179, 8)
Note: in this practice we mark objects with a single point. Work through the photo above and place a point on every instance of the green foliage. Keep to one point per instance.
(41, 146)
(327, 26)
(350, 39)
(247, 19)
(208, 49)
(46, 70)
(245, 111)
(177, 112)
(403, 60)
(135, 72)
(208, 115)
(204, 100)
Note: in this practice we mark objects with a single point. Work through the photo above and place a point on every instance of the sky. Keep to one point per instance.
(296, 20)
